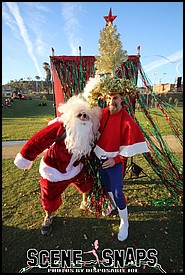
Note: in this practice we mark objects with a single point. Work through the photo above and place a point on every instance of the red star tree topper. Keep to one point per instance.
(110, 17)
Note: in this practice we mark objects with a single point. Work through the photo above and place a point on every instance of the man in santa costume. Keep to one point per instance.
(66, 141)
(120, 138)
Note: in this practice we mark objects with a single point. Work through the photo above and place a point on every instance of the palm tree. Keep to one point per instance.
(46, 67)
(47, 70)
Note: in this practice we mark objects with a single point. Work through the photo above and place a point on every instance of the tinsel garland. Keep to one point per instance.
(145, 80)
(98, 200)
(129, 70)
(73, 76)
(164, 163)
(73, 73)
(172, 117)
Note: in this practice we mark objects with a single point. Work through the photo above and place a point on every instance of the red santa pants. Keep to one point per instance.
(51, 191)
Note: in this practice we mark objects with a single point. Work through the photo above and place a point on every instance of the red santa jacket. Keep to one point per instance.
(120, 135)
(56, 164)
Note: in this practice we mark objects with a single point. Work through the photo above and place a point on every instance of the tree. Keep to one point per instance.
(111, 53)
(47, 70)
(37, 77)
(48, 75)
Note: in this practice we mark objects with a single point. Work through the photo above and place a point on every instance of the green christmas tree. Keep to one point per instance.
(111, 53)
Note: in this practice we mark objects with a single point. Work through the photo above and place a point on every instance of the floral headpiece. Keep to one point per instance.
(111, 85)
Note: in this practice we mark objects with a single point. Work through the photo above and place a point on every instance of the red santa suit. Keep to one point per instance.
(58, 168)
(120, 135)
(120, 138)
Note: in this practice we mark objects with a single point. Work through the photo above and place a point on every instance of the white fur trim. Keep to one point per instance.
(132, 150)
(54, 175)
(54, 120)
(22, 163)
(126, 151)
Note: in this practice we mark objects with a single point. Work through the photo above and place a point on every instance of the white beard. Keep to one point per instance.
(79, 137)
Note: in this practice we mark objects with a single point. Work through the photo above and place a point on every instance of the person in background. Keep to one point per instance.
(66, 142)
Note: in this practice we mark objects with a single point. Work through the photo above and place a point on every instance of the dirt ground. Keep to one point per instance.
(11, 150)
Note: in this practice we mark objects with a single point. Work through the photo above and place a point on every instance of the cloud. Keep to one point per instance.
(177, 68)
(14, 9)
(39, 24)
(72, 25)
(173, 58)
(38, 6)
(8, 20)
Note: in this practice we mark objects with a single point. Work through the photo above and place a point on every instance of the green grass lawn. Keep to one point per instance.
(150, 225)
(155, 217)
(25, 118)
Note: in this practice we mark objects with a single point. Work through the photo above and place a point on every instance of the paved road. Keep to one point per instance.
(11, 148)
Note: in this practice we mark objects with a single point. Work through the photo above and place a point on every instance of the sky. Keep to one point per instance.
(31, 29)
